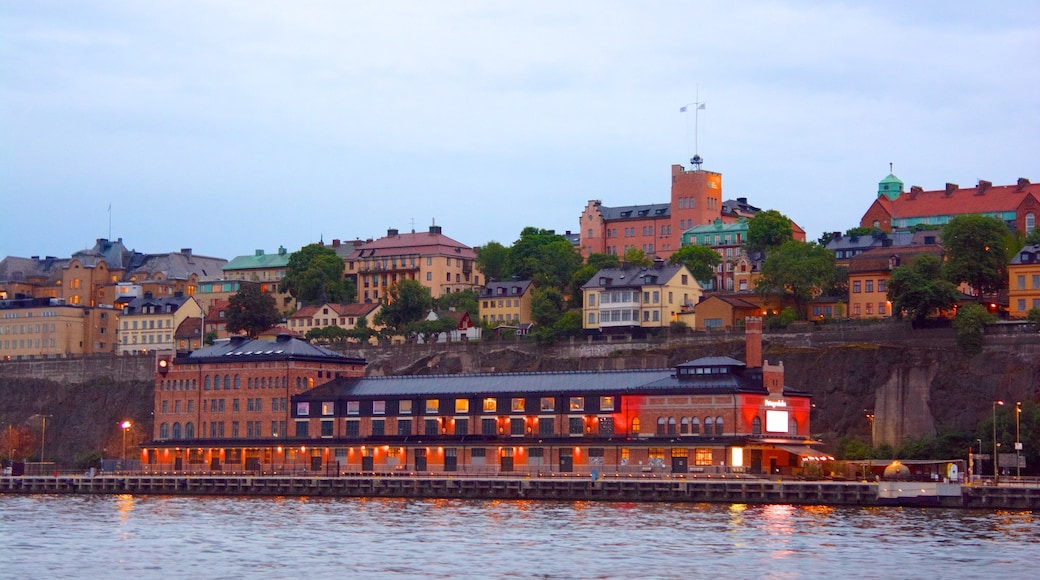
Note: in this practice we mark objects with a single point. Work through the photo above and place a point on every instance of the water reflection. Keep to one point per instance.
(319, 538)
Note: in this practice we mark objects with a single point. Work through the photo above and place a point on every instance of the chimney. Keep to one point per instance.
(187, 253)
(435, 229)
(950, 188)
(391, 232)
(1022, 184)
(983, 186)
(753, 342)
(259, 253)
(915, 190)
(335, 243)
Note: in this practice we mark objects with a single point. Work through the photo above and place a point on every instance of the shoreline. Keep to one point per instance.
(752, 491)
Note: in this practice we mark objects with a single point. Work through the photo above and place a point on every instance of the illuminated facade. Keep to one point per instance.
(506, 303)
(149, 324)
(711, 415)
(217, 404)
(1024, 286)
(622, 299)
(46, 327)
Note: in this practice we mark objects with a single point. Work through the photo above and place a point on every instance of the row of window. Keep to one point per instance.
(868, 286)
(461, 406)
(507, 303)
(501, 317)
(30, 343)
(1021, 282)
(235, 381)
(311, 322)
(146, 324)
(28, 328)
(253, 429)
(153, 338)
(617, 315)
(1022, 304)
(868, 309)
(517, 427)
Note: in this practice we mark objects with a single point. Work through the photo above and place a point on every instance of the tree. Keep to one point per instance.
(314, 275)
(976, 249)
(593, 264)
(699, 260)
(799, 268)
(251, 310)
(361, 331)
(545, 258)
(407, 301)
(636, 257)
(768, 229)
(1033, 316)
(546, 306)
(918, 290)
(493, 260)
(18, 441)
(428, 330)
(970, 327)
(464, 301)
(1033, 237)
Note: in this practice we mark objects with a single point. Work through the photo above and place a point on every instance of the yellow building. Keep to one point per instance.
(436, 261)
(345, 316)
(46, 327)
(506, 303)
(264, 269)
(1024, 282)
(622, 299)
(869, 273)
(148, 324)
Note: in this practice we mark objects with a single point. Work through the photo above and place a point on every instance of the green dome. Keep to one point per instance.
(890, 186)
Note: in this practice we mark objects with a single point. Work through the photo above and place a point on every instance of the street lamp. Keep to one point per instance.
(996, 475)
(43, 434)
(1018, 440)
(126, 427)
(870, 456)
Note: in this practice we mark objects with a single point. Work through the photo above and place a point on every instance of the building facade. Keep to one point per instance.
(48, 328)
(267, 270)
(345, 316)
(431, 258)
(1024, 282)
(225, 403)
(149, 324)
(628, 298)
(506, 303)
(870, 271)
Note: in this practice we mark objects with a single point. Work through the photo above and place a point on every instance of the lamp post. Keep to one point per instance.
(996, 474)
(870, 455)
(1018, 440)
(126, 427)
(43, 434)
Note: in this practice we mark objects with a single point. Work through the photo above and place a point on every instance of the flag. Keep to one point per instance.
(699, 108)
(682, 109)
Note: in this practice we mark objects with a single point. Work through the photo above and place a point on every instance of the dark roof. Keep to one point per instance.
(491, 289)
(631, 276)
(660, 210)
(1027, 255)
(239, 349)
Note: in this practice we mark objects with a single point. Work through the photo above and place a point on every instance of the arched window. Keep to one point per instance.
(227, 382)
(238, 382)
(695, 426)
(756, 426)
(792, 426)
(299, 383)
(718, 425)
(176, 430)
(164, 431)
(285, 382)
(635, 426)
(1030, 222)
(671, 425)
(263, 382)
(189, 430)
(205, 384)
(709, 425)
(194, 384)
(684, 426)
(661, 422)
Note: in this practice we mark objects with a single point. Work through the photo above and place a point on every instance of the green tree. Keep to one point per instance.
(699, 260)
(464, 301)
(210, 338)
(918, 289)
(970, 327)
(545, 258)
(493, 260)
(768, 229)
(636, 257)
(251, 311)
(976, 249)
(428, 330)
(361, 332)
(1033, 237)
(799, 268)
(1033, 315)
(407, 301)
(314, 275)
(595, 263)
(547, 305)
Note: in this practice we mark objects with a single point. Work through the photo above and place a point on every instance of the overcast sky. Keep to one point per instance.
(230, 126)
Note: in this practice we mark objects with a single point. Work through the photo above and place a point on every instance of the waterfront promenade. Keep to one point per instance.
(735, 490)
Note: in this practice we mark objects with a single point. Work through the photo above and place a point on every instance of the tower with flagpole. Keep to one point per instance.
(698, 106)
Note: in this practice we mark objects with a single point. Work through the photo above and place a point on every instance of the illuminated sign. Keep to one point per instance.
(776, 421)
(776, 404)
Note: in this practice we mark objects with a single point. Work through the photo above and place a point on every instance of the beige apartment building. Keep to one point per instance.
(46, 328)
(506, 303)
(149, 324)
(636, 297)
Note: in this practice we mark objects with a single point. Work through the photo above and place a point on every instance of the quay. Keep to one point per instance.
(743, 490)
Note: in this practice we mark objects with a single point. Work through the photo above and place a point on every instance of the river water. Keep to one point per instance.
(179, 537)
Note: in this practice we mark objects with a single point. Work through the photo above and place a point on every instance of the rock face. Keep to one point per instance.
(916, 382)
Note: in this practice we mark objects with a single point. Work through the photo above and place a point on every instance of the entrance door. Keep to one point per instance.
(680, 464)
(506, 459)
(316, 463)
(566, 461)
(420, 460)
(367, 463)
(451, 459)
(772, 465)
(756, 461)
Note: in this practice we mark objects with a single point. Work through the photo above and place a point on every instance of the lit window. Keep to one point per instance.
(379, 407)
(606, 403)
(405, 407)
(548, 404)
(328, 408)
(353, 407)
(490, 405)
(577, 404)
(432, 406)
(462, 405)
(517, 405)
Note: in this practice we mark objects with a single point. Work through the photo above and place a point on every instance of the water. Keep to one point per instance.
(175, 537)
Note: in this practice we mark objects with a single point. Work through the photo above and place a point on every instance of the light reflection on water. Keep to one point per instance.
(149, 536)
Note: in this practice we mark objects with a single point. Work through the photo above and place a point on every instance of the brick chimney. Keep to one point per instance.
(983, 186)
(950, 188)
(753, 342)
(1021, 185)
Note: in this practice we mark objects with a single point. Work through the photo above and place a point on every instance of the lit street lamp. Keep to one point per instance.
(996, 474)
(870, 456)
(126, 427)
(43, 434)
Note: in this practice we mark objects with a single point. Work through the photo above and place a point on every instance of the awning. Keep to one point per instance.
(806, 453)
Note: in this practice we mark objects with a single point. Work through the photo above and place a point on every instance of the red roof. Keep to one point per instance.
(423, 243)
(358, 309)
(981, 199)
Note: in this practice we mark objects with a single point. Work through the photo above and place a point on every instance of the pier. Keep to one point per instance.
(754, 491)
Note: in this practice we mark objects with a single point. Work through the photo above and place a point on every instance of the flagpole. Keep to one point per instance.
(697, 106)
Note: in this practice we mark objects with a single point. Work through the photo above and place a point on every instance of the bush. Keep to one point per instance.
(1033, 316)
(970, 326)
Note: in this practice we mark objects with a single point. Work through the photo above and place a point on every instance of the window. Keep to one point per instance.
(516, 426)
(606, 403)
(301, 428)
(404, 427)
(548, 404)
(577, 404)
(576, 426)
(353, 407)
(881, 284)
(718, 425)
(326, 427)
(606, 425)
(490, 405)
(868, 286)
(756, 426)
(378, 427)
(379, 407)
(1021, 280)
(404, 407)
(353, 428)
(856, 286)
(709, 425)
(328, 408)
(303, 409)
(546, 426)
(516, 405)
(635, 426)
(461, 406)
(432, 406)
(462, 426)
(702, 456)
(488, 427)
(431, 427)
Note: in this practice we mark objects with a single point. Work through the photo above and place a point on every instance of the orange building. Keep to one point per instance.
(870, 271)
(1024, 278)
(216, 405)
(48, 328)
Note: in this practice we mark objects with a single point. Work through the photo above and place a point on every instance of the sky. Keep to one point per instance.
(229, 126)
